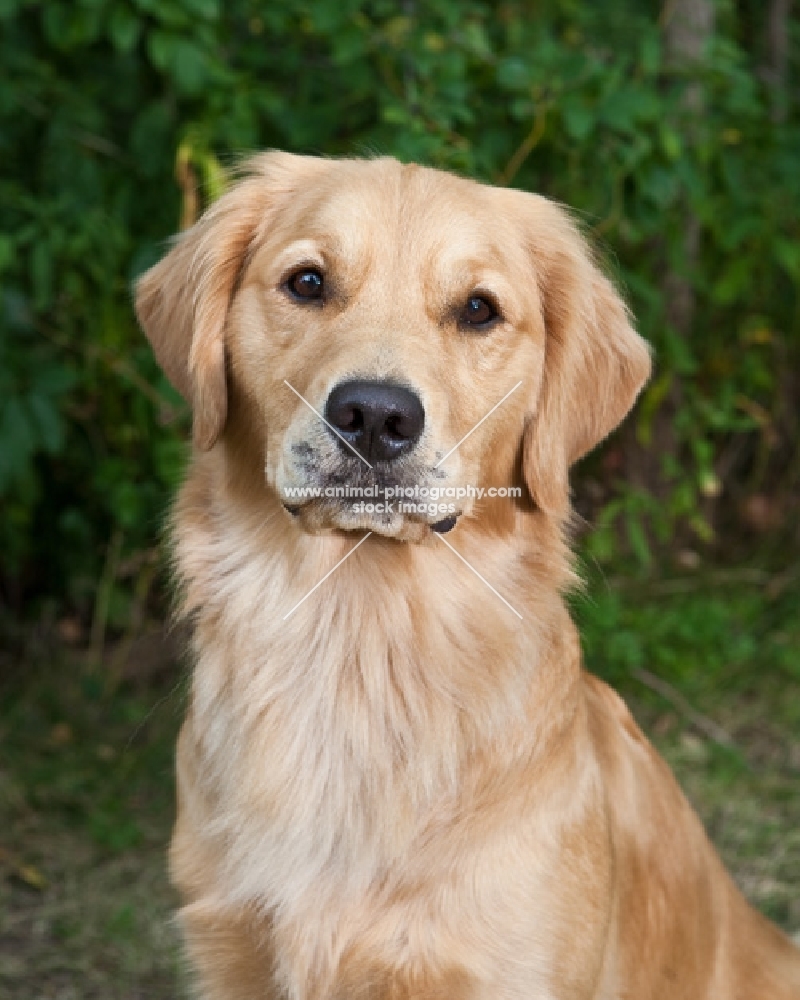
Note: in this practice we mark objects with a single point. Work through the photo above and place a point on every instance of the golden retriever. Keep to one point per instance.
(395, 779)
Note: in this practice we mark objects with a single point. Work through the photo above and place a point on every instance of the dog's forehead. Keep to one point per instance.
(383, 207)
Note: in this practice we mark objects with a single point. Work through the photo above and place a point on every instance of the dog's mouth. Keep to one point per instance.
(382, 506)
(402, 499)
(381, 522)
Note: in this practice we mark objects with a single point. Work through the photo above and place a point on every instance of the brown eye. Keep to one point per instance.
(306, 284)
(478, 311)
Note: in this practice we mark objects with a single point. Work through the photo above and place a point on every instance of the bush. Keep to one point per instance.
(104, 101)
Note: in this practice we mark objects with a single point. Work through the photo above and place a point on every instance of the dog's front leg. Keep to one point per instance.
(230, 954)
(364, 980)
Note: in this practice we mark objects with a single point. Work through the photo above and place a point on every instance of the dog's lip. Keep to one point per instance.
(442, 526)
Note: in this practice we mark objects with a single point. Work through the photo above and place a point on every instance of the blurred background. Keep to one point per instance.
(672, 128)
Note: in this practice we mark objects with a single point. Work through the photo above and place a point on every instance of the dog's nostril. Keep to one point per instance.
(352, 421)
(398, 427)
(380, 420)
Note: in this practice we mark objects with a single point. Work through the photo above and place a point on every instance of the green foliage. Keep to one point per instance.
(102, 99)
(733, 630)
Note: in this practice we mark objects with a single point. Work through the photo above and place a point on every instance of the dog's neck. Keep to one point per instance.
(457, 608)
(497, 584)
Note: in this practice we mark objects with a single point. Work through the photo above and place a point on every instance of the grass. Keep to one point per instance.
(85, 812)
(86, 775)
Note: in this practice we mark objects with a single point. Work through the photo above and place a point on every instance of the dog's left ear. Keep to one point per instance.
(595, 363)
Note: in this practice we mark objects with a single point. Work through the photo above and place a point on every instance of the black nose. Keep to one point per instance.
(380, 420)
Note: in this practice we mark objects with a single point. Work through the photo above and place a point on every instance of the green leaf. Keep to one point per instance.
(189, 66)
(788, 255)
(48, 422)
(394, 114)
(160, 47)
(638, 541)
(54, 380)
(124, 28)
(671, 142)
(513, 73)
(209, 9)
(578, 120)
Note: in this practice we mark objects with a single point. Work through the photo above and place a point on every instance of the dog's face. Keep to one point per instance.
(363, 317)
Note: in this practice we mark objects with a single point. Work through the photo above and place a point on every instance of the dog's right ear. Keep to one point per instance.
(182, 302)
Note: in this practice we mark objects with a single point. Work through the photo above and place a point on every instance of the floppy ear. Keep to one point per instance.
(182, 302)
(595, 363)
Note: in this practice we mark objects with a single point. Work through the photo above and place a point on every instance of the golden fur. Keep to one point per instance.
(398, 789)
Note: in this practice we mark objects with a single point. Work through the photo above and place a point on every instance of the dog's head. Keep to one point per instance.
(387, 340)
